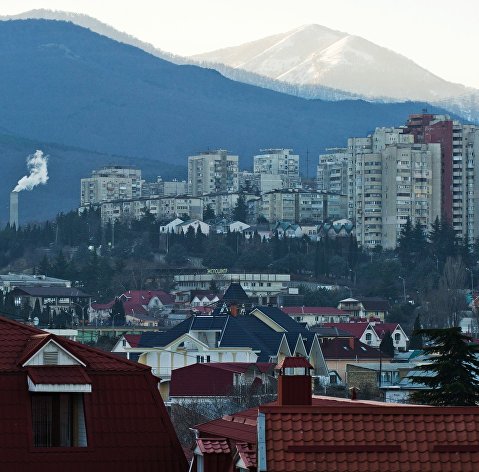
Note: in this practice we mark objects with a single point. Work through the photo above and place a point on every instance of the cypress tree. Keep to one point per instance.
(452, 375)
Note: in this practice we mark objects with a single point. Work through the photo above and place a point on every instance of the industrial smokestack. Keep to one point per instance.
(37, 165)
(14, 209)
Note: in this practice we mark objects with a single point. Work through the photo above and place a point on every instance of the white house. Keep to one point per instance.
(170, 227)
(195, 224)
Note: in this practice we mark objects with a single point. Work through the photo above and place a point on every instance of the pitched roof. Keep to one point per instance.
(58, 375)
(124, 397)
(352, 348)
(313, 310)
(35, 291)
(143, 297)
(247, 453)
(213, 446)
(355, 329)
(375, 304)
(235, 293)
(371, 438)
(132, 339)
(356, 436)
(209, 379)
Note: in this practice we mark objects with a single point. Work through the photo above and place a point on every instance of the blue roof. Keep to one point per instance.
(208, 323)
(158, 339)
(239, 331)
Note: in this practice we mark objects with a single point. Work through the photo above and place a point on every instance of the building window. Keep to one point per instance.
(58, 420)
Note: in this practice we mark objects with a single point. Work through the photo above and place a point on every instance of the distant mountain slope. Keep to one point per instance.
(456, 98)
(314, 54)
(64, 84)
(66, 165)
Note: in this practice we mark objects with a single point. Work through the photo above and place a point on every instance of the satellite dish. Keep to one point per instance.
(36, 320)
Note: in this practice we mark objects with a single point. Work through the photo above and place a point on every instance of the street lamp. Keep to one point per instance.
(403, 287)
(472, 280)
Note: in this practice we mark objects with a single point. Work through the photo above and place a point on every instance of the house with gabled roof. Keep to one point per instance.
(67, 406)
(300, 432)
(366, 308)
(213, 381)
(372, 333)
(260, 334)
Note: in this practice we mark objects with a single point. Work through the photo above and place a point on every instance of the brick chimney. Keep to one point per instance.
(294, 381)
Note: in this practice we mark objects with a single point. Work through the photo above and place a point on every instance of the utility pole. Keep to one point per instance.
(113, 233)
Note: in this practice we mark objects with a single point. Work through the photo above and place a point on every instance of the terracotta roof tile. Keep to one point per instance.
(370, 438)
(58, 375)
(213, 446)
(247, 453)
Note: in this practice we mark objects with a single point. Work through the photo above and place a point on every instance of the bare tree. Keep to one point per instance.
(442, 306)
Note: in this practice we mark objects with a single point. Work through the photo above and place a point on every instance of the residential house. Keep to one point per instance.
(372, 333)
(283, 229)
(337, 229)
(124, 343)
(230, 334)
(54, 298)
(170, 227)
(301, 432)
(371, 308)
(67, 406)
(313, 315)
(142, 307)
(219, 380)
(182, 228)
(340, 351)
(374, 377)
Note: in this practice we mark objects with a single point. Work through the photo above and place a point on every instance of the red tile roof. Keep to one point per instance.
(133, 339)
(247, 453)
(208, 379)
(293, 362)
(356, 329)
(127, 423)
(348, 348)
(356, 436)
(371, 438)
(56, 375)
(313, 310)
(213, 446)
(238, 427)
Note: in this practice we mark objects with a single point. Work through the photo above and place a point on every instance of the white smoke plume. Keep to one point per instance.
(37, 165)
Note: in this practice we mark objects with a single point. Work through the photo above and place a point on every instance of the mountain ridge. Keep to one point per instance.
(64, 84)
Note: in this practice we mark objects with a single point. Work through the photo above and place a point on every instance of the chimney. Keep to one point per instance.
(294, 381)
(14, 209)
(351, 343)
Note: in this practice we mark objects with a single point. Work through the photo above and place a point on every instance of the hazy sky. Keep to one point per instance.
(440, 35)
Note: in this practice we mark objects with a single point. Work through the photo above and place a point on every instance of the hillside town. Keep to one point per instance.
(253, 320)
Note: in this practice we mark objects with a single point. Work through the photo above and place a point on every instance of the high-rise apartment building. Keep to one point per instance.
(302, 206)
(392, 179)
(459, 168)
(332, 171)
(281, 162)
(212, 172)
(109, 184)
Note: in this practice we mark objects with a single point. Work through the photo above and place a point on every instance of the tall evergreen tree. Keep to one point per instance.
(387, 344)
(416, 341)
(240, 211)
(118, 317)
(453, 372)
(208, 213)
